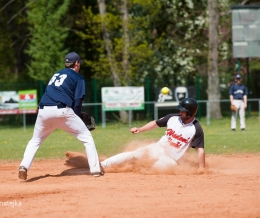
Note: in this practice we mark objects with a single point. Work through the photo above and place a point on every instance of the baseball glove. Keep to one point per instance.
(88, 120)
(233, 108)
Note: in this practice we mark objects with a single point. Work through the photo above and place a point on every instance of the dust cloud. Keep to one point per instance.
(188, 165)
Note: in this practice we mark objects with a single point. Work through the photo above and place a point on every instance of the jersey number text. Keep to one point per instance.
(57, 79)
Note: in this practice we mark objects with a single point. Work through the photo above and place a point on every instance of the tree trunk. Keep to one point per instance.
(126, 39)
(213, 78)
(123, 114)
(108, 43)
(109, 49)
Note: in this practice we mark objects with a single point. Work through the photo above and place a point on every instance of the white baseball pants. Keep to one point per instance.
(154, 151)
(51, 118)
(241, 110)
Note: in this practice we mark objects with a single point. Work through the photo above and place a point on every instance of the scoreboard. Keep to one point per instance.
(246, 31)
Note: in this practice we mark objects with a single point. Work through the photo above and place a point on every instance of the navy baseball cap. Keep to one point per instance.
(72, 57)
(238, 76)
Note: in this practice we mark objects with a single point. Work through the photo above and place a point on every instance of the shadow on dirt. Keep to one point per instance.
(68, 172)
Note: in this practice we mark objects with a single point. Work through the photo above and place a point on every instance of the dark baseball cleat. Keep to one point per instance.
(97, 174)
(22, 173)
(242, 129)
(233, 129)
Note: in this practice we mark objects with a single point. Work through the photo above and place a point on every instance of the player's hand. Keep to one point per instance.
(134, 130)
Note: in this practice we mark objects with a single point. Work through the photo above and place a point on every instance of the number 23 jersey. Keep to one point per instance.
(64, 87)
(179, 137)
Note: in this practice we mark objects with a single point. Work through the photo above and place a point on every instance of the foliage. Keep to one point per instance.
(183, 26)
(168, 40)
(163, 35)
(14, 35)
(140, 15)
(73, 42)
(47, 37)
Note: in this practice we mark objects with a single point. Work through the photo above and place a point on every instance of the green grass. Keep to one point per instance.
(219, 139)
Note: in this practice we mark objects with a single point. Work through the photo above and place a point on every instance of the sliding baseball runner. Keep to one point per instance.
(183, 132)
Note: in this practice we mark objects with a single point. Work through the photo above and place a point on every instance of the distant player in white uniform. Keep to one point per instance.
(60, 108)
(183, 131)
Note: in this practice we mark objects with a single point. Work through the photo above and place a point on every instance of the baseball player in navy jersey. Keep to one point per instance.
(238, 98)
(60, 108)
(183, 131)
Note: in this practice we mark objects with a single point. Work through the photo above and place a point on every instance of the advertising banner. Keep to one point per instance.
(9, 102)
(12, 102)
(122, 98)
(28, 100)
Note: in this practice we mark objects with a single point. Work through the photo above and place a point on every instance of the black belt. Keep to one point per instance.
(58, 106)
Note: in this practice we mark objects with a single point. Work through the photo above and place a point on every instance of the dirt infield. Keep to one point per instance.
(230, 188)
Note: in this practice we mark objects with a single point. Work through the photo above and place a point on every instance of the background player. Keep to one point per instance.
(238, 98)
(60, 107)
(183, 131)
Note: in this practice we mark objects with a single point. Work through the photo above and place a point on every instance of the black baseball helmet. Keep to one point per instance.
(188, 105)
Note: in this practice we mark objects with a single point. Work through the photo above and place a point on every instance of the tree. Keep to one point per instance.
(220, 51)
(120, 43)
(46, 47)
(74, 42)
(14, 36)
(108, 43)
(110, 52)
(116, 55)
(126, 41)
(182, 43)
(213, 77)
